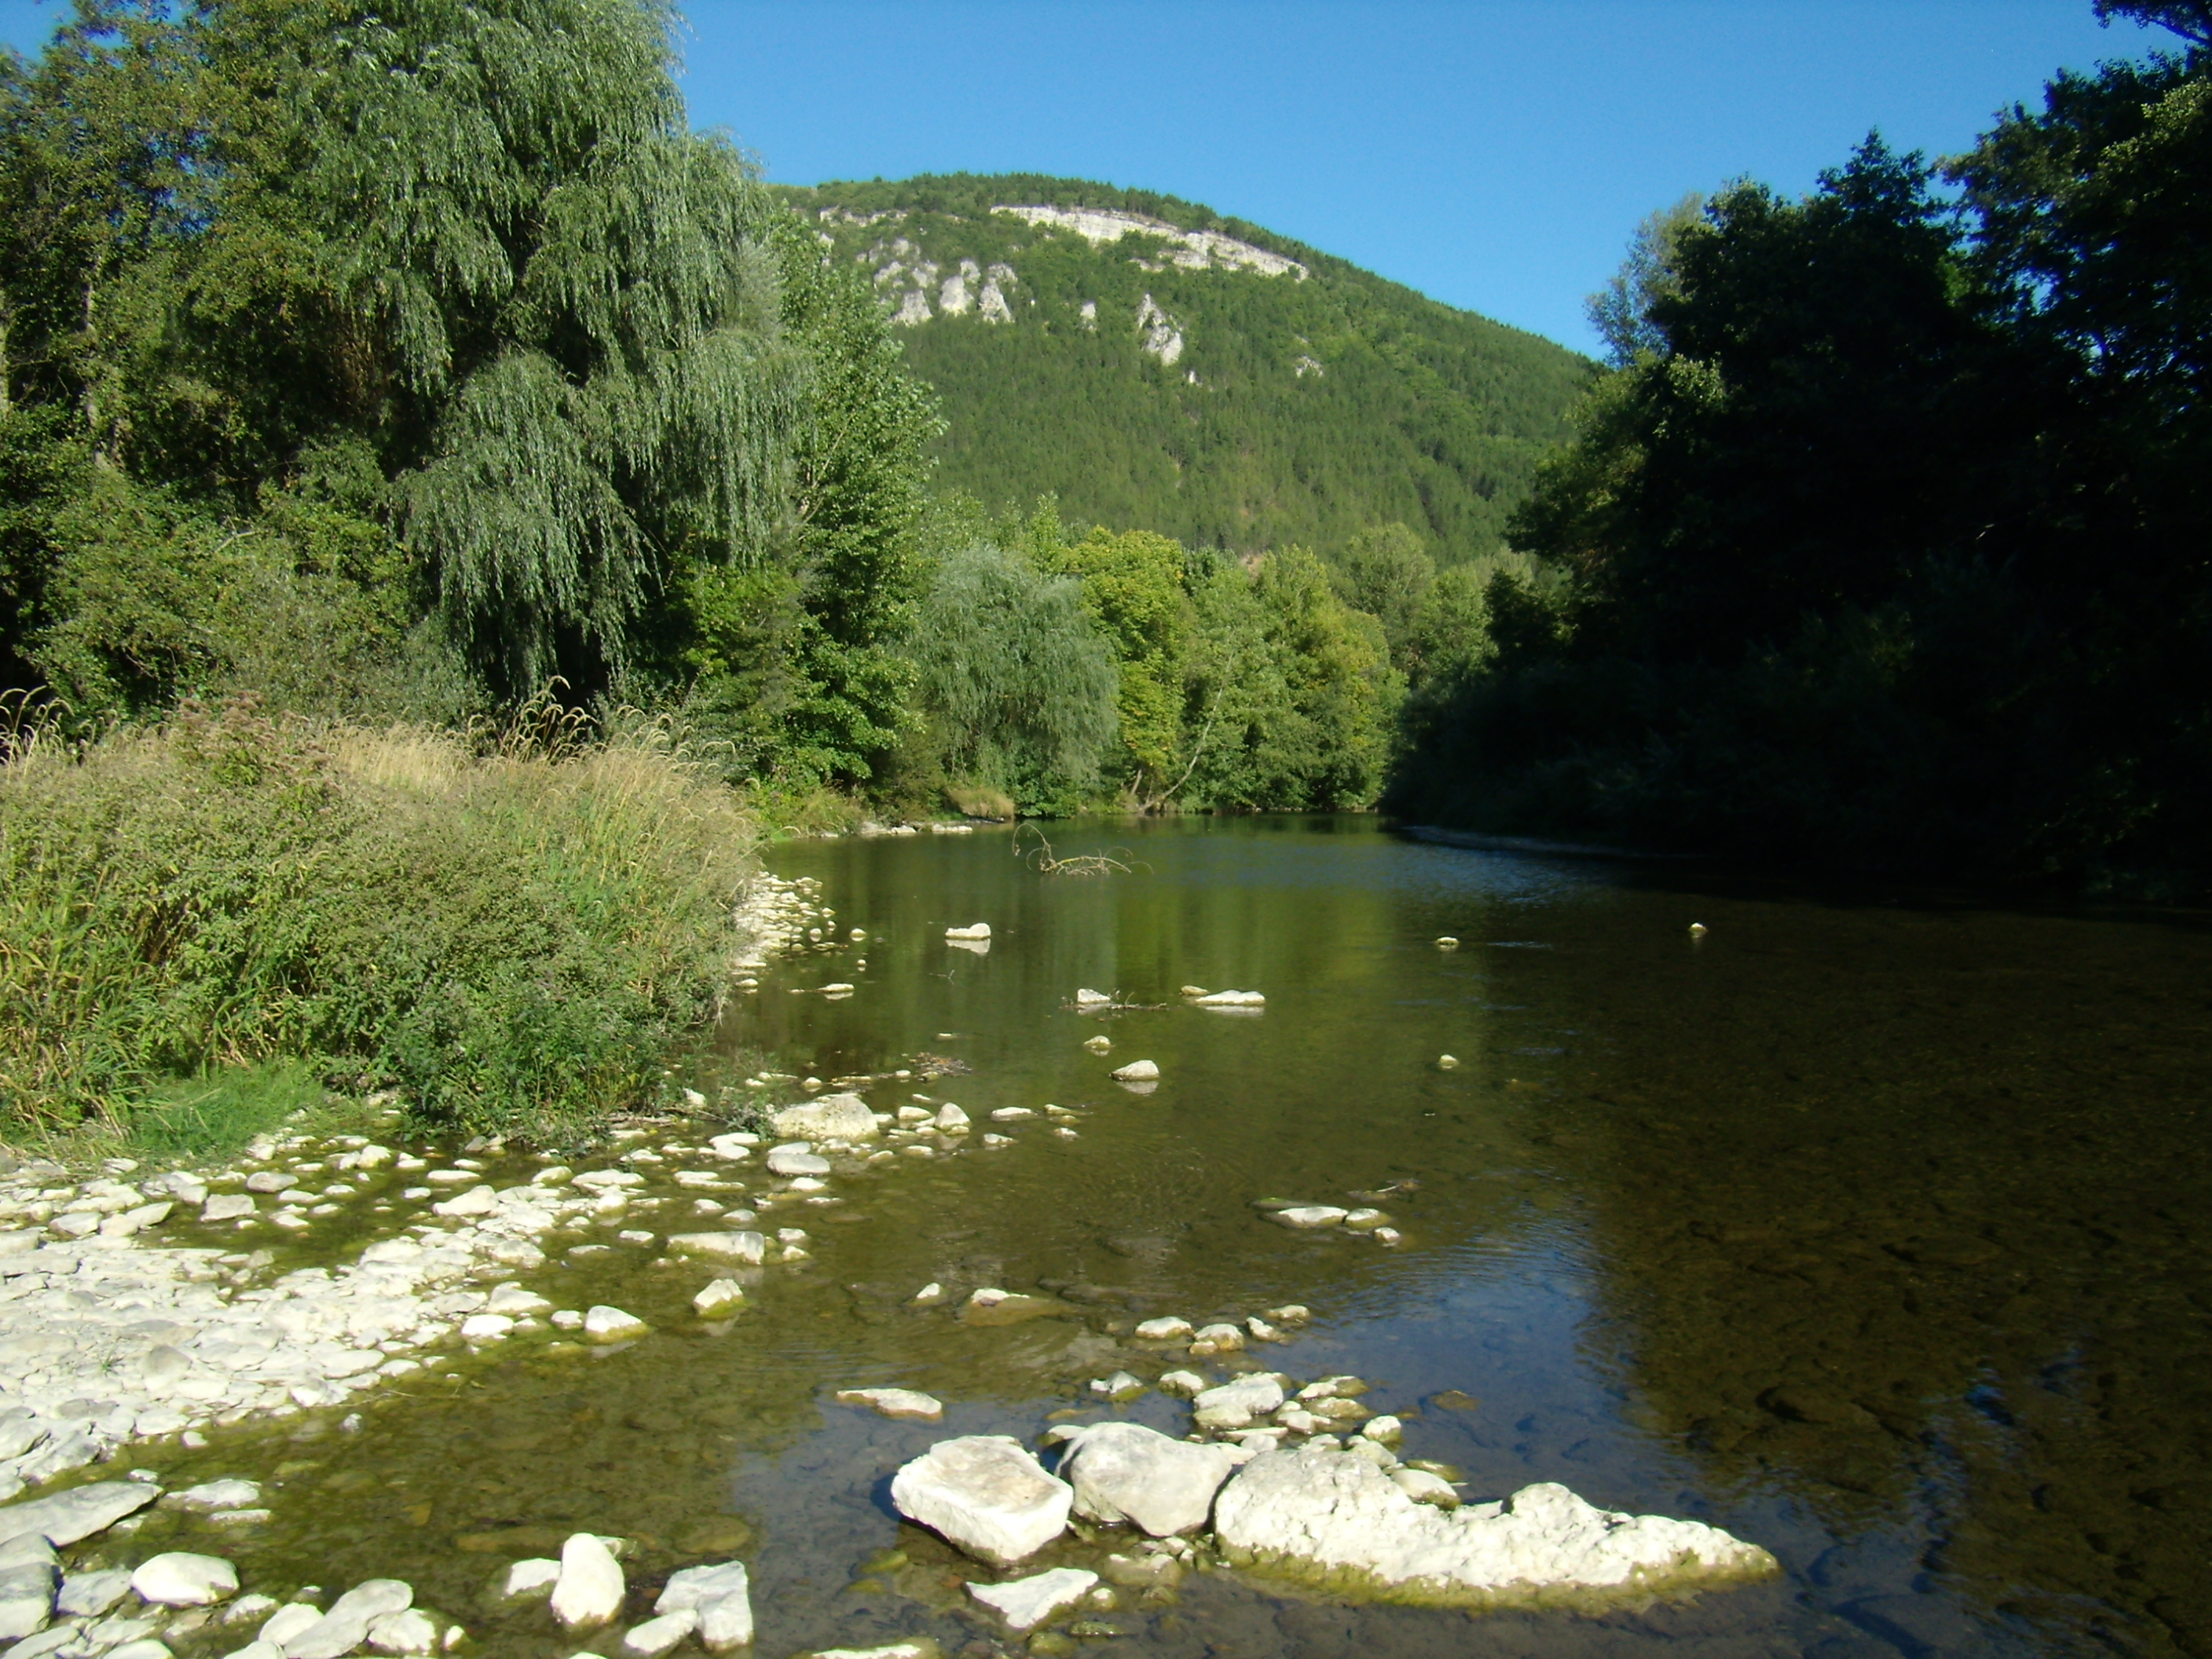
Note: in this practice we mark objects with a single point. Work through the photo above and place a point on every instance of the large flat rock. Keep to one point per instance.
(832, 1118)
(1336, 1521)
(986, 1493)
(78, 1513)
(1126, 1472)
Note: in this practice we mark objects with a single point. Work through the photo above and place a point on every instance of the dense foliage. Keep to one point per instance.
(1887, 544)
(514, 937)
(1294, 411)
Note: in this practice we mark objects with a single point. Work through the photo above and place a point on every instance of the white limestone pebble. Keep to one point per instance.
(410, 1631)
(89, 1594)
(589, 1591)
(657, 1636)
(719, 1297)
(1423, 1488)
(928, 1295)
(1025, 1603)
(1238, 1404)
(987, 1494)
(1224, 1337)
(1126, 1472)
(178, 1578)
(288, 1622)
(486, 1327)
(229, 1494)
(345, 1626)
(1137, 1071)
(974, 930)
(529, 1579)
(605, 1324)
(1308, 1215)
(721, 1599)
(896, 1403)
(797, 1158)
(1170, 1329)
(1183, 1384)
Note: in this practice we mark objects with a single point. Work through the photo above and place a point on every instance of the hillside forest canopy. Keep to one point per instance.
(408, 365)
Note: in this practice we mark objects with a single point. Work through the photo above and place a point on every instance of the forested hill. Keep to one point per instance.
(1159, 366)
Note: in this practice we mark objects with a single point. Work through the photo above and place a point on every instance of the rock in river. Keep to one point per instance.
(1234, 1404)
(605, 1324)
(797, 1158)
(1126, 1472)
(178, 1578)
(749, 1248)
(833, 1117)
(986, 1493)
(1137, 1071)
(1335, 1521)
(720, 1598)
(894, 1402)
(1025, 1603)
(590, 1590)
(79, 1513)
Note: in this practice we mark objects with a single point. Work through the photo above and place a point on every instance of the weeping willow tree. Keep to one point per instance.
(570, 299)
(1019, 681)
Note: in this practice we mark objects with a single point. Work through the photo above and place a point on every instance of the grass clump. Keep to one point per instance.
(512, 932)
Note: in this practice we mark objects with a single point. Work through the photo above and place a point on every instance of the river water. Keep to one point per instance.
(1867, 1225)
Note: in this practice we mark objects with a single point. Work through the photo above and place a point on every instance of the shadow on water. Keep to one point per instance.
(1870, 1232)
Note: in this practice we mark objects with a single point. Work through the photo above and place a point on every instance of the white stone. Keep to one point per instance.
(951, 1119)
(721, 1598)
(590, 1590)
(721, 1297)
(1137, 1071)
(1164, 1330)
(1089, 999)
(529, 1579)
(345, 1626)
(974, 930)
(832, 1118)
(27, 1598)
(288, 1622)
(89, 1594)
(1012, 1113)
(1231, 999)
(657, 1636)
(1126, 1472)
(478, 1200)
(1308, 1215)
(1237, 1404)
(1226, 1338)
(749, 1248)
(78, 1513)
(178, 1578)
(412, 1631)
(1184, 1384)
(1025, 1603)
(1336, 1521)
(1383, 1430)
(517, 1302)
(796, 1159)
(605, 1324)
(986, 1493)
(894, 1402)
(216, 1495)
(486, 1327)
(928, 1296)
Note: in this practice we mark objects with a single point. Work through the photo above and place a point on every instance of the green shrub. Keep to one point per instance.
(512, 937)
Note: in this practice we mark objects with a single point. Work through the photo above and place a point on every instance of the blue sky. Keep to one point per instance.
(1495, 156)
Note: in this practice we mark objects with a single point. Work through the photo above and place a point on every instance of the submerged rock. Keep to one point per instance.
(1025, 1603)
(894, 1402)
(973, 931)
(1338, 1522)
(605, 1324)
(987, 1494)
(1126, 1472)
(991, 1306)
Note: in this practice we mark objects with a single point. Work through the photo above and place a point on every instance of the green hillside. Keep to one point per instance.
(1176, 371)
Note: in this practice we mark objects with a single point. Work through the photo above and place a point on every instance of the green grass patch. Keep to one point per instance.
(202, 1116)
(195, 914)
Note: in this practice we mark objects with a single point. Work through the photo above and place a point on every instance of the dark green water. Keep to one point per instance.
(1872, 1230)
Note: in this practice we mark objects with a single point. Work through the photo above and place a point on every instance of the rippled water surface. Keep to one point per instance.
(1871, 1228)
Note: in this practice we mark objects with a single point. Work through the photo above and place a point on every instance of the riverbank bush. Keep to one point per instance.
(511, 931)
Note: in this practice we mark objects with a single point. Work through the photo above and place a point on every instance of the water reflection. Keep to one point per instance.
(1866, 1231)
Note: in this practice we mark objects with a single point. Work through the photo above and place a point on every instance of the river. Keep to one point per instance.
(1867, 1224)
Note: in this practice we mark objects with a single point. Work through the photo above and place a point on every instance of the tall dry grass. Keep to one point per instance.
(512, 926)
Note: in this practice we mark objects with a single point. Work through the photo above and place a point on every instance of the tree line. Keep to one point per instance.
(1884, 539)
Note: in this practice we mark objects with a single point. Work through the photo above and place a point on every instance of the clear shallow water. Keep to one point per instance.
(1871, 1230)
